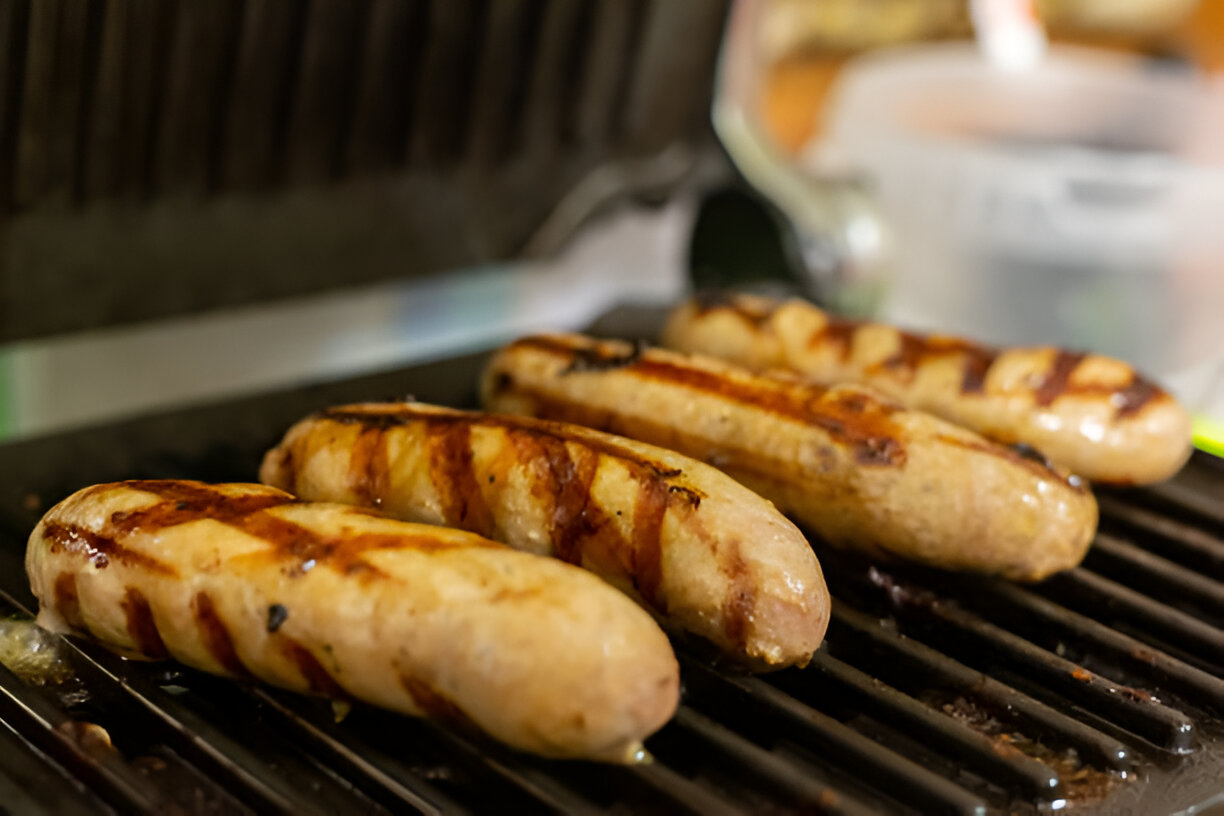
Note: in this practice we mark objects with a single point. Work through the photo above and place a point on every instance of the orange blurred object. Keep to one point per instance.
(799, 82)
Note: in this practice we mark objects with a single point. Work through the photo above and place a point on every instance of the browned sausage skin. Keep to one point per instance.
(859, 470)
(1091, 413)
(246, 581)
(703, 553)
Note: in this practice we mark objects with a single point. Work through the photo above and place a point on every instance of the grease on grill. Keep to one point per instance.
(1082, 783)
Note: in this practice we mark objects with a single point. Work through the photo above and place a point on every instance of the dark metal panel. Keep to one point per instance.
(198, 83)
(386, 94)
(320, 123)
(268, 57)
(53, 101)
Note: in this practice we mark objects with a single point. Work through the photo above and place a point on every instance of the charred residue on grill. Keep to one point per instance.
(602, 358)
(1082, 784)
(140, 624)
(216, 636)
(277, 615)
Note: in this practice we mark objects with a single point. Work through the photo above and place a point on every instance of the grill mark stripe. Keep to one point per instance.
(140, 624)
(367, 473)
(68, 602)
(740, 601)
(864, 427)
(647, 547)
(837, 334)
(318, 678)
(431, 702)
(451, 471)
(216, 637)
(396, 414)
(1057, 379)
(99, 549)
(1132, 399)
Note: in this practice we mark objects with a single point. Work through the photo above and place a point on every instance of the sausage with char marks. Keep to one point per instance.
(860, 470)
(702, 552)
(1093, 414)
(246, 581)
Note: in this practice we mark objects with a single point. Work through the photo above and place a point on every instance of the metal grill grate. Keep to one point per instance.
(934, 693)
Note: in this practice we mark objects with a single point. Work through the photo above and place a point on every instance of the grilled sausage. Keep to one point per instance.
(855, 468)
(245, 581)
(703, 553)
(1090, 413)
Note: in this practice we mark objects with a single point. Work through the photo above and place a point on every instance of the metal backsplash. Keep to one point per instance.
(159, 157)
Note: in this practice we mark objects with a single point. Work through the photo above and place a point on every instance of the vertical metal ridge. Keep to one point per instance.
(994, 761)
(268, 52)
(512, 37)
(662, 99)
(1112, 603)
(199, 74)
(599, 99)
(14, 34)
(545, 108)
(903, 657)
(327, 81)
(101, 151)
(900, 777)
(34, 135)
(384, 97)
(448, 71)
(90, 64)
(631, 69)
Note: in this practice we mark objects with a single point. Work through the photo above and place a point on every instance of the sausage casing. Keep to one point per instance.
(1093, 414)
(855, 468)
(699, 550)
(245, 581)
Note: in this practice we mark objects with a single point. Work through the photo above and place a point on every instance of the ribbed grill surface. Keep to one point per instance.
(934, 693)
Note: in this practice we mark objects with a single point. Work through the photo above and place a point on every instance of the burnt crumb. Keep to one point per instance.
(664, 473)
(182, 505)
(586, 360)
(277, 615)
(492, 478)
(693, 496)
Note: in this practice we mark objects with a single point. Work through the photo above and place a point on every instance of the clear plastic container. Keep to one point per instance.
(1079, 204)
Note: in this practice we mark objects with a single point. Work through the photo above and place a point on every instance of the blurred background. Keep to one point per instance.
(203, 200)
